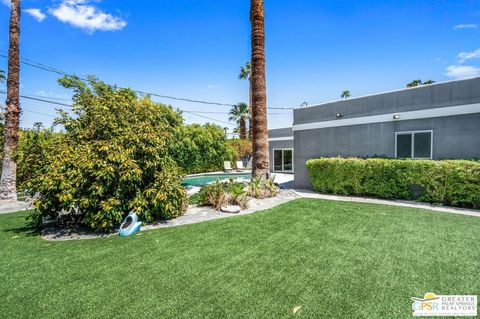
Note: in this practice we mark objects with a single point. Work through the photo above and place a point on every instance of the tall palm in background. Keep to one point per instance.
(8, 185)
(259, 92)
(346, 94)
(2, 76)
(246, 74)
(416, 83)
(240, 113)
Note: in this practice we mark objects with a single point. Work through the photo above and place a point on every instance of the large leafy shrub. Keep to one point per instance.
(449, 182)
(32, 153)
(199, 148)
(113, 158)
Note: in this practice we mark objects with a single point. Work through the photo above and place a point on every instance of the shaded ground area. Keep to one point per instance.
(14, 206)
(333, 259)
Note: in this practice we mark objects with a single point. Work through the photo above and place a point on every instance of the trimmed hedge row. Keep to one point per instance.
(449, 182)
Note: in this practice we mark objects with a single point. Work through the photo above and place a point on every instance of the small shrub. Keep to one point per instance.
(194, 199)
(220, 194)
(238, 195)
(449, 182)
(214, 194)
(262, 188)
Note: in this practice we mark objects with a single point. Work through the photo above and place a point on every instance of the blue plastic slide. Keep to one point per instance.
(130, 225)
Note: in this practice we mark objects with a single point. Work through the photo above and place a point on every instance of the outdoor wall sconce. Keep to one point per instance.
(396, 117)
(339, 115)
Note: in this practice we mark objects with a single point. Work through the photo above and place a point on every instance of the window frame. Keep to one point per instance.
(412, 134)
(283, 159)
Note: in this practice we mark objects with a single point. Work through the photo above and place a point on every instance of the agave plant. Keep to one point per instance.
(262, 188)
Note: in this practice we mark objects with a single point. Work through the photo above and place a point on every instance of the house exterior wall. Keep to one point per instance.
(279, 139)
(367, 128)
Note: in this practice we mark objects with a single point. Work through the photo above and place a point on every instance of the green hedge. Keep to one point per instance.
(449, 182)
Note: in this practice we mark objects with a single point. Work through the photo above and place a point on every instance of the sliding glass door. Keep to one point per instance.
(283, 160)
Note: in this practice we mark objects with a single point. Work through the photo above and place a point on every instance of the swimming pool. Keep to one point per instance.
(200, 180)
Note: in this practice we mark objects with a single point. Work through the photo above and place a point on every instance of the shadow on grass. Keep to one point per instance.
(28, 227)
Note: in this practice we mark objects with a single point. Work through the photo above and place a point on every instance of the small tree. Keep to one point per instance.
(240, 114)
(346, 94)
(240, 149)
(112, 159)
(416, 83)
(246, 74)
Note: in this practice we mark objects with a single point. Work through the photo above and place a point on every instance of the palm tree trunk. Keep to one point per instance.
(259, 91)
(8, 187)
(250, 121)
(243, 129)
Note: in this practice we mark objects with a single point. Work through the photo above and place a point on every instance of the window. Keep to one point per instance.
(414, 144)
(283, 160)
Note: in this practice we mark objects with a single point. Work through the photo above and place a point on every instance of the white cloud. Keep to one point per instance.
(465, 26)
(85, 16)
(36, 13)
(464, 56)
(462, 71)
(212, 86)
(5, 2)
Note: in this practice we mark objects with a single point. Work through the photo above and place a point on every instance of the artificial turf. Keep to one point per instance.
(333, 259)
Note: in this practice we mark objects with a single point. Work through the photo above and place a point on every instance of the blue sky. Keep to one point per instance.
(194, 48)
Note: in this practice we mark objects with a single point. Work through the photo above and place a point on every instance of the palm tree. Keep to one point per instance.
(2, 76)
(415, 83)
(240, 113)
(246, 74)
(8, 185)
(346, 94)
(259, 92)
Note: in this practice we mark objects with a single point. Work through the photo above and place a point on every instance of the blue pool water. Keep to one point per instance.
(201, 180)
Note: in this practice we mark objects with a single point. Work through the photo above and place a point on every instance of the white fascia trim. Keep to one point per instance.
(275, 139)
(383, 118)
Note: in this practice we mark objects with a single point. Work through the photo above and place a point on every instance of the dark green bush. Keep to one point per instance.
(449, 182)
(199, 148)
(113, 158)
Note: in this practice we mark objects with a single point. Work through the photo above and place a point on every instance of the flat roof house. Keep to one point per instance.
(438, 121)
(280, 143)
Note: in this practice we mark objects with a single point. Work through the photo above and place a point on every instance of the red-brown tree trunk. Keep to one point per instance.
(243, 129)
(8, 185)
(250, 121)
(259, 91)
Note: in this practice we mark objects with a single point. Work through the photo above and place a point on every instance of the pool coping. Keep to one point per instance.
(234, 172)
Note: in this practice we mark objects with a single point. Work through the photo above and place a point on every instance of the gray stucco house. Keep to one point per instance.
(280, 143)
(438, 121)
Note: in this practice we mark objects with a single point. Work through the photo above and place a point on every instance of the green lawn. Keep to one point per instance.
(334, 259)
